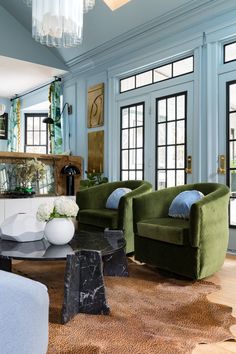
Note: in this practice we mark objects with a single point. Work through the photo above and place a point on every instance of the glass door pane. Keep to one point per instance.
(132, 142)
(231, 148)
(171, 119)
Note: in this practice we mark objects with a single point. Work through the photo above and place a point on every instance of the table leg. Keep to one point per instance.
(84, 289)
(5, 263)
(116, 264)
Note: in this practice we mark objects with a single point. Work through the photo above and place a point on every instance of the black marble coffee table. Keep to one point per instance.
(89, 256)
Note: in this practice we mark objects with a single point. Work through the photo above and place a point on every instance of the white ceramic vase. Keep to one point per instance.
(59, 231)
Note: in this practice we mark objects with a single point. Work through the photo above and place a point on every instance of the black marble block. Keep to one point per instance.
(116, 264)
(5, 263)
(84, 290)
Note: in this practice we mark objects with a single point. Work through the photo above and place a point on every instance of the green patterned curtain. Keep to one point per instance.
(13, 143)
(54, 112)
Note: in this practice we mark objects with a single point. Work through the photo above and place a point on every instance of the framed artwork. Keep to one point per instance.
(95, 115)
(95, 151)
(3, 126)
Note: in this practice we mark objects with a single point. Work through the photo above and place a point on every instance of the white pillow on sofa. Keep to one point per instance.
(114, 198)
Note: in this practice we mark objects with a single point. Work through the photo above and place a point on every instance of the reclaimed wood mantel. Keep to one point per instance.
(58, 162)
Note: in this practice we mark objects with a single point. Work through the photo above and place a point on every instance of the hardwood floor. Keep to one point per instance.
(226, 278)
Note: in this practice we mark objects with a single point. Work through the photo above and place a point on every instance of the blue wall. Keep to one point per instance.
(202, 33)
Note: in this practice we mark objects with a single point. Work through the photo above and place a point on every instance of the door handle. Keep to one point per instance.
(221, 165)
(188, 169)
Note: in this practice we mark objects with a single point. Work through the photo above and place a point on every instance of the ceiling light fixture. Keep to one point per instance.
(115, 4)
(58, 23)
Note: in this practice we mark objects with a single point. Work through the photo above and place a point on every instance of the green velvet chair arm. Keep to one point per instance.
(207, 220)
(125, 210)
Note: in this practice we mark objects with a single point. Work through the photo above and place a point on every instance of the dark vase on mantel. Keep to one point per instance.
(70, 171)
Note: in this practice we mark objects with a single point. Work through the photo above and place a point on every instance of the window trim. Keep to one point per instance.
(35, 115)
(153, 69)
(142, 103)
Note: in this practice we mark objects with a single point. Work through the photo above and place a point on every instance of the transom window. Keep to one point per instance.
(231, 148)
(36, 133)
(229, 52)
(161, 73)
(171, 140)
(132, 142)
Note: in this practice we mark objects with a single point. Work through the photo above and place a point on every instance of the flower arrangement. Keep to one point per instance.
(29, 172)
(61, 208)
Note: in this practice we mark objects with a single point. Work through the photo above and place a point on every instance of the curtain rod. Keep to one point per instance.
(38, 88)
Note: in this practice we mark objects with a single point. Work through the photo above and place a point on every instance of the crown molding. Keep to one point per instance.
(181, 18)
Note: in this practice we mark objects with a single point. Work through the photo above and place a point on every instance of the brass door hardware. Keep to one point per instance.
(189, 165)
(222, 165)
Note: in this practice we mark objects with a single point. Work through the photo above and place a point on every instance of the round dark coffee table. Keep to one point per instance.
(89, 256)
(108, 243)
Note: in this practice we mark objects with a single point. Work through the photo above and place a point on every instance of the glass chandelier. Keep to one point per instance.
(58, 23)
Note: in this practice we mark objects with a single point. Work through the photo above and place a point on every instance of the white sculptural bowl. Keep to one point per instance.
(22, 227)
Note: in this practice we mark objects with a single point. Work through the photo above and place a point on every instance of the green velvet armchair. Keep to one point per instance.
(194, 248)
(93, 215)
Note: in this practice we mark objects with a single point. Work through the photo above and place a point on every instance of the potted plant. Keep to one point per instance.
(93, 179)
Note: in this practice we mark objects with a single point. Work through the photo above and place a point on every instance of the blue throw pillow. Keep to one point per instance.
(181, 205)
(114, 198)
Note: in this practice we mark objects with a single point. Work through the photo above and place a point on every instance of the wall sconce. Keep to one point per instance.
(70, 171)
(2, 109)
(49, 120)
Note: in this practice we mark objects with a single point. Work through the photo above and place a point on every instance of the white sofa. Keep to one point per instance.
(24, 307)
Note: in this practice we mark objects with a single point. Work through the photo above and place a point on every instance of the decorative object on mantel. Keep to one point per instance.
(19, 192)
(26, 173)
(59, 229)
(93, 179)
(95, 151)
(22, 227)
(95, 115)
(70, 171)
(3, 126)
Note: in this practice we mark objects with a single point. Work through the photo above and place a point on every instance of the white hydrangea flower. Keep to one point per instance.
(66, 207)
(44, 211)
